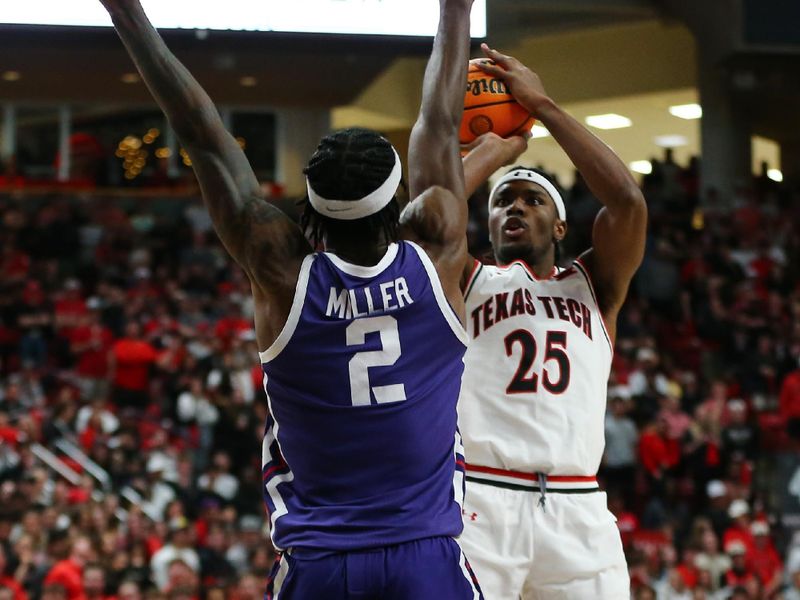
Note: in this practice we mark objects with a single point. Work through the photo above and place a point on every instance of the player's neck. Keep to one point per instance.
(540, 265)
(366, 253)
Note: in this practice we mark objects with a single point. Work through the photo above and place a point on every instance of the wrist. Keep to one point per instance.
(543, 108)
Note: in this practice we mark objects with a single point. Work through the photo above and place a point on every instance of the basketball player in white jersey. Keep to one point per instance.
(534, 388)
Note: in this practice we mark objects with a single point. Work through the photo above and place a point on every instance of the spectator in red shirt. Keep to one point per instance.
(739, 531)
(657, 452)
(231, 325)
(8, 433)
(69, 572)
(764, 559)
(17, 593)
(69, 308)
(132, 359)
(91, 343)
(740, 573)
(790, 403)
(14, 264)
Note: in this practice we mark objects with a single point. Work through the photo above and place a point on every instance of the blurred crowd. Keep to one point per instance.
(131, 413)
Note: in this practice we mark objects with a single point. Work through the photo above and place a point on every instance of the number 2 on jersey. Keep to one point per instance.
(359, 365)
(525, 379)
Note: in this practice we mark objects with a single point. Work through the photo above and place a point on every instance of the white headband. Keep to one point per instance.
(350, 210)
(533, 177)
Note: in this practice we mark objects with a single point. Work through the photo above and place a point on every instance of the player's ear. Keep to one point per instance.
(559, 230)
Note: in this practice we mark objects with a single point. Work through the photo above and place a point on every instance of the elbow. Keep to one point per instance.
(193, 126)
(439, 121)
(633, 198)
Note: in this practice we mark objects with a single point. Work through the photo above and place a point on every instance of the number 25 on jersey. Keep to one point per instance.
(556, 362)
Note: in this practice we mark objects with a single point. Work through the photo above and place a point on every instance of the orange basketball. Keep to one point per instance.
(489, 107)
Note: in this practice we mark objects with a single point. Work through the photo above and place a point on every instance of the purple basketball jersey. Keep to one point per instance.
(361, 447)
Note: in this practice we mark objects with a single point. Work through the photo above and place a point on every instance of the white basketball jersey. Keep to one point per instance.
(533, 396)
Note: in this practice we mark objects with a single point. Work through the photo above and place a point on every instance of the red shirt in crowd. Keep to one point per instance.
(228, 327)
(15, 265)
(16, 588)
(657, 453)
(737, 534)
(133, 360)
(92, 343)
(790, 396)
(9, 435)
(68, 312)
(765, 563)
(67, 573)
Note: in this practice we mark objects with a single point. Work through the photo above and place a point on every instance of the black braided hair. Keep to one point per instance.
(348, 165)
(555, 184)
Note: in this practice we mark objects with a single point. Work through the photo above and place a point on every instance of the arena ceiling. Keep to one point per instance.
(591, 54)
(88, 65)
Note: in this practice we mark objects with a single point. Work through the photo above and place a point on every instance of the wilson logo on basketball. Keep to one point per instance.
(476, 87)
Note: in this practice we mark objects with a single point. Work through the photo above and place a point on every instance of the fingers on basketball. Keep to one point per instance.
(497, 57)
(490, 107)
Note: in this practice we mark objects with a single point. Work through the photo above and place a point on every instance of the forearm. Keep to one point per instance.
(434, 146)
(445, 75)
(604, 173)
(488, 155)
(478, 167)
(189, 109)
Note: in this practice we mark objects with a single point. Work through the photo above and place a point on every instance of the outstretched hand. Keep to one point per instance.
(524, 84)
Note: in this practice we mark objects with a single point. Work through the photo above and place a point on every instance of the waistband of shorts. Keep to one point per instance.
(516, 480)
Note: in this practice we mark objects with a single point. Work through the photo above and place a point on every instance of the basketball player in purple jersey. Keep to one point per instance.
(363, 343)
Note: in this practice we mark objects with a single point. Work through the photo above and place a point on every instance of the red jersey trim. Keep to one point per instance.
(476, 269)
(533, 476)
(528, 270)
(582, 268)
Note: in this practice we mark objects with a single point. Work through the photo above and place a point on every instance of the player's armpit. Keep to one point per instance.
(618, 240)
(430, 222)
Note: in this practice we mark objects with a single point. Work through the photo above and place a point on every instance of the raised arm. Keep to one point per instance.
(264, 241)
(618, 237)
(437, 216)
(487, 154)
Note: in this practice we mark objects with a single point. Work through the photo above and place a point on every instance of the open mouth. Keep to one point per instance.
(513, 227)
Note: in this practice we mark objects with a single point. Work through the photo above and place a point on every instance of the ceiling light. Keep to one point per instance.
(775, 175)
(130, 78)
(12, 76)
(538, 131)
(644, 167)
(248, 81)
(686, 111)
(670, 141)
(608, 121)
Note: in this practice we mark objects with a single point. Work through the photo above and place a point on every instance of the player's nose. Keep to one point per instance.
(516, 207)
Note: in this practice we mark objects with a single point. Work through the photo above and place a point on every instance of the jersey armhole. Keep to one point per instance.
(585, 272)
(473, 277)
(294, 313)
(438, 291)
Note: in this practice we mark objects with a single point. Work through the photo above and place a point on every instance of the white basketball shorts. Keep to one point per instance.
(568, 549)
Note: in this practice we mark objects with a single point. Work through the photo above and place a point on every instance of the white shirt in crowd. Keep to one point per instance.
(162, 559)
(196, 408)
